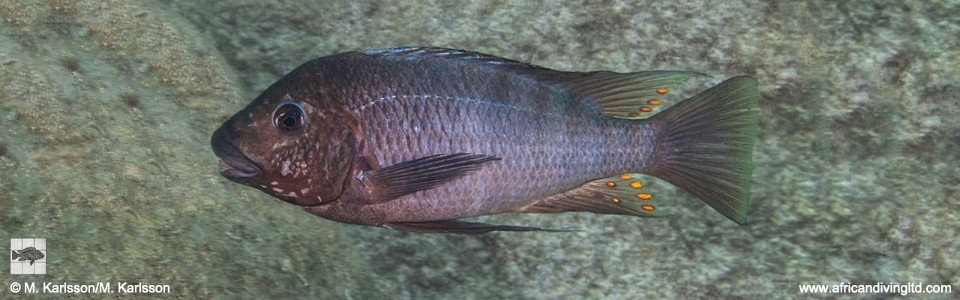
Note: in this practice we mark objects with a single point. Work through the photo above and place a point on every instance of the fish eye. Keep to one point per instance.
(288, 117)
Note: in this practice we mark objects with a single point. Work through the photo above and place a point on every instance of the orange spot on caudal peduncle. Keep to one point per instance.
(636, 184)
(611, 184)
(662, 91)
(645, 109)
(654, 102)
(648, 207)
(644, 196)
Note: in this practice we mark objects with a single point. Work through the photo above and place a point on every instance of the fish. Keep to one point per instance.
(28, 253)
(418, 138)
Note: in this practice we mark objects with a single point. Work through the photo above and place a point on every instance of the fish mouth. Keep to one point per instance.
(233, 164)
(236, 170)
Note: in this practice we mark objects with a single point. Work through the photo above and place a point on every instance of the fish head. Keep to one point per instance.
(291, 142)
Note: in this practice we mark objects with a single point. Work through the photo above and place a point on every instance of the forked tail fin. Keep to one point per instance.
(705, 145)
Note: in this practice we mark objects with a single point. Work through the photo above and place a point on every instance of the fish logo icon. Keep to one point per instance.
(28, 256)
(29, 253)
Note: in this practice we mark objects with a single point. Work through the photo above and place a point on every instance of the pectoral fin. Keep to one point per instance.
(460, 227)
(422, 174)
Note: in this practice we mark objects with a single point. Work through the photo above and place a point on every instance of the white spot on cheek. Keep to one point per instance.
(292, 194)
(278, 190)
(304, 191)
(273, 183)
(303, 168)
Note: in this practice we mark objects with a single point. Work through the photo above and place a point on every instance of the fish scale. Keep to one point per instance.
(565, 160)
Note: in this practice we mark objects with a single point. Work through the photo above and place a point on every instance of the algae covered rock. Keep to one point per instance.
(106, 108)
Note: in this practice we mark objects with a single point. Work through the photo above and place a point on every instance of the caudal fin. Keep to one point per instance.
(705, 145)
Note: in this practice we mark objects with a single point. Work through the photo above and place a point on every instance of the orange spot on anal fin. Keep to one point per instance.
(623, 193)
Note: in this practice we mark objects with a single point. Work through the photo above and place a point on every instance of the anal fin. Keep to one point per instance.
(625, 194)
(460, 227)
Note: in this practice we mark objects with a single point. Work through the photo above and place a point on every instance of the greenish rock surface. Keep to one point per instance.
(106, 108)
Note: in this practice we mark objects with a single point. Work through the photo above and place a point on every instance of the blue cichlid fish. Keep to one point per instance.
(416, 138)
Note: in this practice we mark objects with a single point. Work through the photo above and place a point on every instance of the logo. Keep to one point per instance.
(28, 256)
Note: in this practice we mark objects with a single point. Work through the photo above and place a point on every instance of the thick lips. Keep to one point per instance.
(233, 165)
(237, 170)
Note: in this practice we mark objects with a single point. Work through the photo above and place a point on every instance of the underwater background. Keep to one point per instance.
(107, 106)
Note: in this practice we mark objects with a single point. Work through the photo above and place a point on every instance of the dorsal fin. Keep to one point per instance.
(414, 53)
(637, 95)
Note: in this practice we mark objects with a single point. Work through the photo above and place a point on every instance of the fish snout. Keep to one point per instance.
(233, 164)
